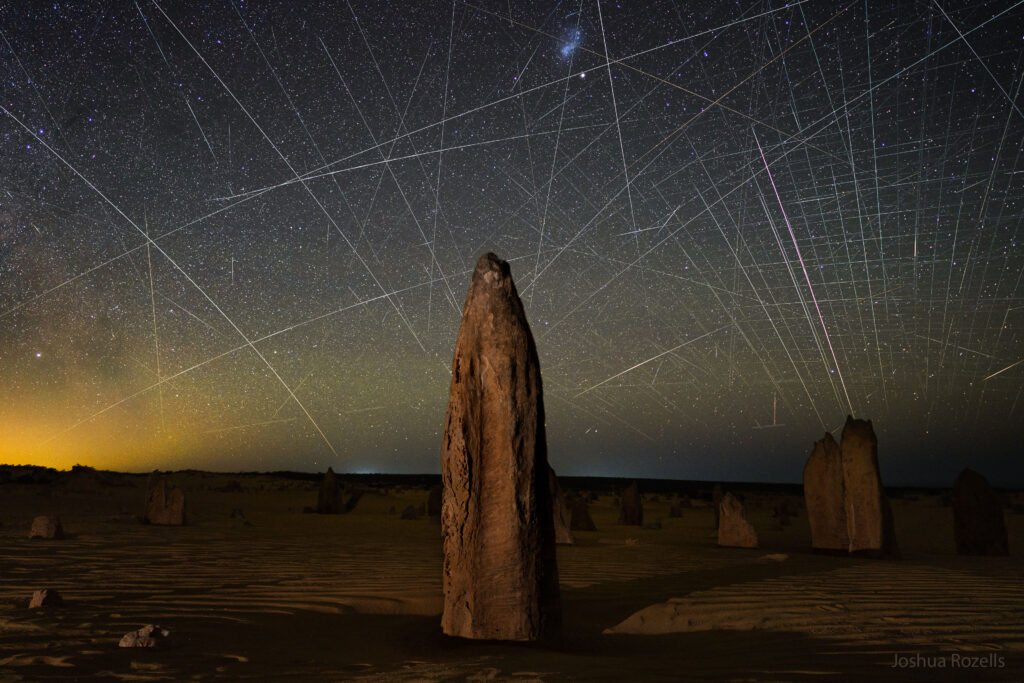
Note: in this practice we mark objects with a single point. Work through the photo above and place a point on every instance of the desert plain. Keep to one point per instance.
(255, 588)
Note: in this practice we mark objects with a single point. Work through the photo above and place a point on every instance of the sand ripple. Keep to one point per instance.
(882, 603)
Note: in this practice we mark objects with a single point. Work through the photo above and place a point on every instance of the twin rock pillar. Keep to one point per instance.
(846, 505)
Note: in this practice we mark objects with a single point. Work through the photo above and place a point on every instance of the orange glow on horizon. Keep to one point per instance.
(45, 440)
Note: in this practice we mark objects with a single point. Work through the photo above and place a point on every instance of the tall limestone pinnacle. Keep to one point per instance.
(824, 494)
(869, 520)
(500, 576)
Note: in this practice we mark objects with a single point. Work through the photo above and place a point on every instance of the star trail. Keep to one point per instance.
(238, 235)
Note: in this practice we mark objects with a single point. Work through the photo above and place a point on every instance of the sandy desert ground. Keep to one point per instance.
(283, 595)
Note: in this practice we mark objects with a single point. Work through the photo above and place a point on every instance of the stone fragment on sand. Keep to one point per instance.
(734, 530)
(150, 635)
(328, 501)
(500, 578)
(559, 511)
(45, 598)
(824, 496)
(46, 526)
(632, 507)
(775, 557)
(979, 524)
(619, 541)
(869, 520)
(165, 504)
(579, 517)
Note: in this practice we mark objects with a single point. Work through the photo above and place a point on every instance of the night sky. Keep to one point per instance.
(731, 224)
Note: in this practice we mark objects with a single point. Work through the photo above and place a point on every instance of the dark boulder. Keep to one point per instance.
(579, 516)
(979, 524)
(734, 529)
(632, 507)
(47, 527)
(165, 504)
